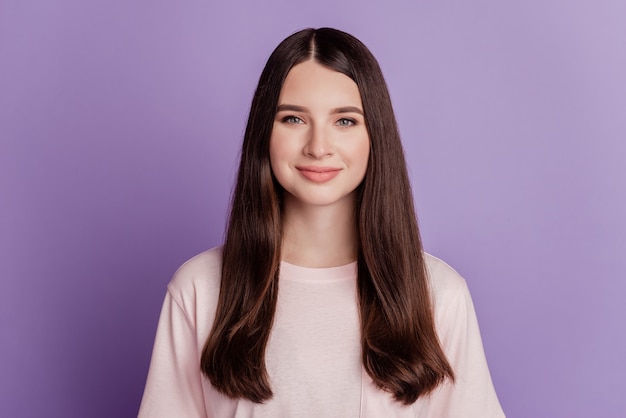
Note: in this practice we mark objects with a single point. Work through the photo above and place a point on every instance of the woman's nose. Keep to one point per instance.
(319, 143)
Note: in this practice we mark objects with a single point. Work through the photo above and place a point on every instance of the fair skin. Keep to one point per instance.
(319, 149)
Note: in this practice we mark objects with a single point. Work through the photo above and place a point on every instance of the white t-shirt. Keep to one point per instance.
(313, 356)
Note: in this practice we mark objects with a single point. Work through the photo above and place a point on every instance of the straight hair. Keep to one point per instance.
(400, 347)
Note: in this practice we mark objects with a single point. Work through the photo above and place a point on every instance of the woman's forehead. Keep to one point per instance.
(313, 83)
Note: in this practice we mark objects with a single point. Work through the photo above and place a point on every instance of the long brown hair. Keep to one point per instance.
(401, 350)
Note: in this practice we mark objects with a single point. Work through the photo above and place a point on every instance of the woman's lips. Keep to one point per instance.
(318, 174)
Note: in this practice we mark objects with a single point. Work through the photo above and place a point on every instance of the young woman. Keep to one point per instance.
(321, 303)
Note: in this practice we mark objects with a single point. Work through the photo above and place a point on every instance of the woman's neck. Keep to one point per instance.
(319, 236)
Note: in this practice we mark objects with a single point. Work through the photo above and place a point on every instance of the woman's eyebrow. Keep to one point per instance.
(291, 108)
(348, 109)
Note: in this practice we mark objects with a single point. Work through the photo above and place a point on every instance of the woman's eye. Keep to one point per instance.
(345, 122)
(293, 120)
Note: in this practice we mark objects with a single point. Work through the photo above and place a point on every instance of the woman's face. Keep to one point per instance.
(319, 145)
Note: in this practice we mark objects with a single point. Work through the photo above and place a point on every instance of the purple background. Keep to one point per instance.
(120, 123)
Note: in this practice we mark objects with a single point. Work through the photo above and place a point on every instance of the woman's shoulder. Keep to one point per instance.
(199, 272)
(445, 282)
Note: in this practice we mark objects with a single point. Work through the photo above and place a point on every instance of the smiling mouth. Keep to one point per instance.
(319, 174)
